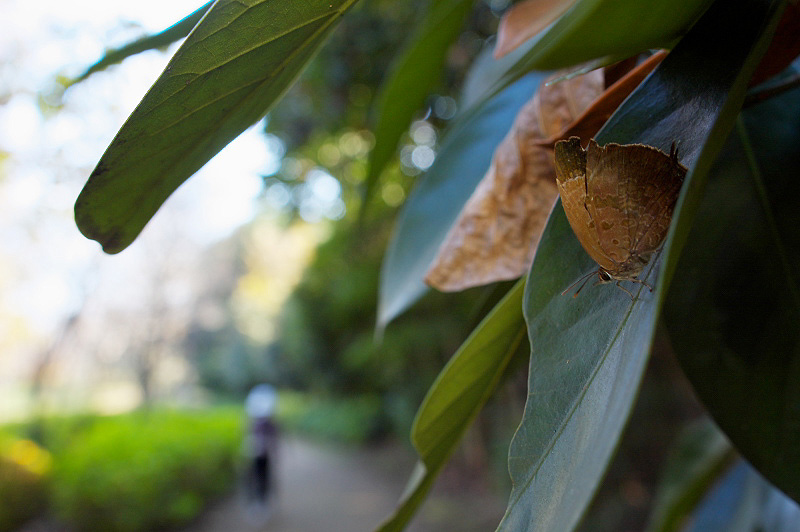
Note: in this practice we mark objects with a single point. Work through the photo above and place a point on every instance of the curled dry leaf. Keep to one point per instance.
(595, 115)
(496, 234)
(524, 20)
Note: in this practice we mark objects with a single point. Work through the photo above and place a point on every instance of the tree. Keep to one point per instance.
(725, 280)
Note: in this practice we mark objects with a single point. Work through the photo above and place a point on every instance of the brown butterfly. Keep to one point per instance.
(618, 200)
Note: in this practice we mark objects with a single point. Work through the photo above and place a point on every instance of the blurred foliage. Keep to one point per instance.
(327, 342)
(233, 324)
(56, 433)
(164, 465)
(347, 420)
(146, 470)
(323, 121)
(338, 86)
(23, 481)
(324, 341)
(220, 354)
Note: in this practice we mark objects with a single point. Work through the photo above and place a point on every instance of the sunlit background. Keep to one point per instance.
(50, 271)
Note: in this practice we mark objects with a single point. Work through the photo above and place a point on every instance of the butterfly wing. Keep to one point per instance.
(570, 164)
(663, 177)
(606, 202)
(632, 191)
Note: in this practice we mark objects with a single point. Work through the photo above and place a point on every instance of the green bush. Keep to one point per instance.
(56, 433)
(348, 420)
(23, 492)
(145, 471)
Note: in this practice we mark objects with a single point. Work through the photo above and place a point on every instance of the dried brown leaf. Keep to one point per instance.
(524, 20)
(600, 110)
(498, 230)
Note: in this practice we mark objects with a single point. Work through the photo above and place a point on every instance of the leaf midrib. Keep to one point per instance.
(523, 488)
(278, 68)
(245, 51)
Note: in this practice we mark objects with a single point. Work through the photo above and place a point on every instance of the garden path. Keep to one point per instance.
(324, 488)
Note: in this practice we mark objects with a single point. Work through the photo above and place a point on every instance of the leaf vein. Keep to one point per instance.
(537, 465)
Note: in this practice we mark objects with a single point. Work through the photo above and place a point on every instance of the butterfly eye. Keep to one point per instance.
(605, 277)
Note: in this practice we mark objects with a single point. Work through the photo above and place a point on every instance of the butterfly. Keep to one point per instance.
(618, 199)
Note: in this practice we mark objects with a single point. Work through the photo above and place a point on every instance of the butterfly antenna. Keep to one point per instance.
(584, 278)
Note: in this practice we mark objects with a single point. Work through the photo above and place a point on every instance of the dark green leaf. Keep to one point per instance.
(175, 32)
(235, 64)
(699, 459)
(414, 74)
(611, 29)
(734, 313)
(457, 396)
(588, 353)
(440, 194)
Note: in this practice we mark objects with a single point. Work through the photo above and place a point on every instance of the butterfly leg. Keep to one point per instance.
(648, 285)
(633, 281)
(624, 290)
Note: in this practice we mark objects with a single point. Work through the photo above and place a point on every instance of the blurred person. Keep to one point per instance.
(262, 440)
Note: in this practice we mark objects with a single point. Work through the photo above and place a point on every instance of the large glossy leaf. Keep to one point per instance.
(744, 502)
(414, 74)
(177, 31)
(440, 194)
(588, 353)
(457, 396)
(235, 64)
(612, 29)
(735, 322)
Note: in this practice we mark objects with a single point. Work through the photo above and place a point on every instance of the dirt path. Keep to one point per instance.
(330, 489)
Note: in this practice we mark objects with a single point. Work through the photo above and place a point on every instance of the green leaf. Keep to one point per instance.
(595, 29)
(439, 195)
(414, 74)
(700, 457)
(744, 502)
(177, 31)
(734, 313)
(588, 354)
(460, 391)
(235, 64)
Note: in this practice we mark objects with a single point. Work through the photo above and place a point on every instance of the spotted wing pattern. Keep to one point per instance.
(632, 190)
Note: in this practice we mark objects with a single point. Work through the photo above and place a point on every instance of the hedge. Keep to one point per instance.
(23, 488)
(145, 471)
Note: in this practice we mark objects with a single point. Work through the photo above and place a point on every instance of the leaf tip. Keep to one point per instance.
(85, 215)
